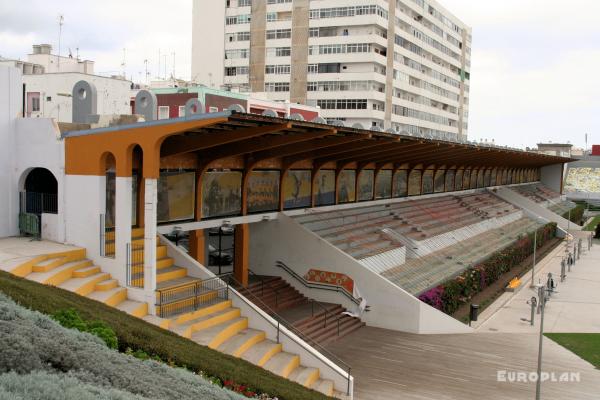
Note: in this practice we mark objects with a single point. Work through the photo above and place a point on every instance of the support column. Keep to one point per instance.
(197, 245)
(150, 210)
(241, 261)
(123, 218)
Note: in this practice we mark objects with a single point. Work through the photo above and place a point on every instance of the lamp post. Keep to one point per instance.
(534, 255)
(538, 385)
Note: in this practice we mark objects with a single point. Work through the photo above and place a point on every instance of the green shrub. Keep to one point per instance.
(450, 295)
(135, 333)
(576, 214)
(71, 319)
(30, 341)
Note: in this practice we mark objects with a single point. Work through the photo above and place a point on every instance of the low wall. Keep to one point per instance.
(260, 320)
(391, 307)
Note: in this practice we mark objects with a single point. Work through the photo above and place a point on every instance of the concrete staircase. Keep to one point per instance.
(72, 271)
(316, 322)
(217, 324)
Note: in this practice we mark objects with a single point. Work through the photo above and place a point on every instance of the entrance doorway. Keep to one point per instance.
(40, 194)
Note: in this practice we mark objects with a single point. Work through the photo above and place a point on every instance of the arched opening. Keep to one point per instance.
(40, 194)
(107, 229)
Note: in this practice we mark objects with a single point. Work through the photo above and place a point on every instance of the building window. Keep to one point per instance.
(182, 111)
(213, 109)
(342, 104)
(278, 69)
(279, 51)
(277, 87)
(244, 3)
(163, 112)
(279, 34)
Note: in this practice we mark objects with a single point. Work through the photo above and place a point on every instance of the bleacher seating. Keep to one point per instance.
(420, 274)
(539, 193)
(536, 192)
(358, 231)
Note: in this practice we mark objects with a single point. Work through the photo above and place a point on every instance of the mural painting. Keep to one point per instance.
(383, 188)
(414, 182)
(428, 182)
(400, 183)
(325, 187)
(296, 189)
(176, 196)
(221, 194)
(366, 183)
(458, 179)
(450, 180)
(347, 186)
(263, 191)
(439, 180)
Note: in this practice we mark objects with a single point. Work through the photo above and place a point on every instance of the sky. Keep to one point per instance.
(535, 73)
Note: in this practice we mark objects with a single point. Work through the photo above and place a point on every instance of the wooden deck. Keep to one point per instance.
(392, 365)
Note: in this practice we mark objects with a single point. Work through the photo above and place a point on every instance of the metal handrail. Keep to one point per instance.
(280, 320)
(262, 287)
(200, 290)
(313, 285)
(326, 312)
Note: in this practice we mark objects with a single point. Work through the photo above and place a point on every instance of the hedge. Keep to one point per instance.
(81, 364)
(453, 293)
(576, 214)
(136, 334)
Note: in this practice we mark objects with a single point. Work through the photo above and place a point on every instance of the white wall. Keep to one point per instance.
(391, 307)
(10, 111)
(38, 145)
(114, 95)
(551, 176)
(208, 43)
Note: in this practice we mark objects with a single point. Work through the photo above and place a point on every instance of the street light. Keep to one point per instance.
(538, 385)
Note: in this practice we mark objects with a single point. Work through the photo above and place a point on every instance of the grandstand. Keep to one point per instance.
(542, 195)
(441, 236)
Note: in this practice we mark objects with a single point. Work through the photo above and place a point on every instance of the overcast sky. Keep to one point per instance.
(535, 72)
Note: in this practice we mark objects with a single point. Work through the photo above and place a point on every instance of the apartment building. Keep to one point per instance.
(391, 64)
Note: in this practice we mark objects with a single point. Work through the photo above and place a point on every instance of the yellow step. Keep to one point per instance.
(85, 286)
(49, 264)
(85, 272)
(112, 297)
(214, 336)
(167, 274)
(242, 341)
(305, 376)
(262, 352)
(207, 321)
(134, 308)
(135, 234)
(106, 285)
(59, 274)
(162, 263)
(283, 363)
(26, 268)
(161, 251)
(181, 319)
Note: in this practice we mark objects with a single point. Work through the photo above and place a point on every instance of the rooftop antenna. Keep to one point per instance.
(77, 53)
(61, 21)
(173, 74)
(147, 73)
(123, 63)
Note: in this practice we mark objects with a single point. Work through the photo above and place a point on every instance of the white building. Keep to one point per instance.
(49, 81)
(402, 64)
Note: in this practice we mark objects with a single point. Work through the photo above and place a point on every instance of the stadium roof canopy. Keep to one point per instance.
(225, 134)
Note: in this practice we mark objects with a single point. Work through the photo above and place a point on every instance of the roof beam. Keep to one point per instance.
(309, 146)
(393, 154)
(311, 155)
(260, 144)
(185, 144)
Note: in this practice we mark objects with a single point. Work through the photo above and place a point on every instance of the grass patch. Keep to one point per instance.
(136, 334)
(585, 345)
(592, 225)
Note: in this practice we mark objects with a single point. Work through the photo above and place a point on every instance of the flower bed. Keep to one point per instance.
(450, 295)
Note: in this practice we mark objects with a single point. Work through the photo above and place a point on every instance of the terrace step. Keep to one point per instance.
(215, 335)
(239, 343)
(282, 363)
(262, 352)
(112, 297)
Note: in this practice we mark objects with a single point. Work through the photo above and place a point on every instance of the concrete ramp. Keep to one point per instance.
(534, 209)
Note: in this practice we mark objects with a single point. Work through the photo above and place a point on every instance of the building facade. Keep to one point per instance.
(399, 64)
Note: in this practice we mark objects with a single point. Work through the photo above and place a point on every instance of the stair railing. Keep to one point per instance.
(190, 296)
(135, 265)
(315, 285)
(262, 287)
(326, 313)
(107, 248)
(279, 320)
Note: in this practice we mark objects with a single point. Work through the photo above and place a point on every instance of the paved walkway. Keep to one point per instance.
(575, 307)
(391, 365)
(17, 250)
